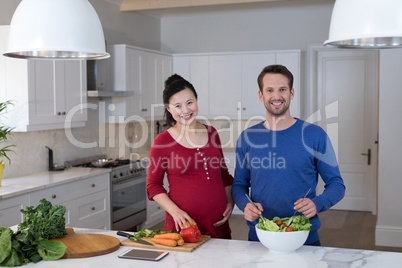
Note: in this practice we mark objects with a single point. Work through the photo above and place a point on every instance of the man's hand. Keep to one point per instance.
(251, 213)
(306, 206)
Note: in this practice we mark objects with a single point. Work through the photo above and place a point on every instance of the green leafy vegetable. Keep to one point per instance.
(50, 250)
(144, 232)
(28, 243)
(300, 223)
(5, 243)
(46, 220)
(268, 225)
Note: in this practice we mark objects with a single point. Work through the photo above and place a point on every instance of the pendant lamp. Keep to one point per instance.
(366, 24)
(56, 29)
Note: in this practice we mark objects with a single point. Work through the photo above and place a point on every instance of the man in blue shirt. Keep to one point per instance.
(280, 159)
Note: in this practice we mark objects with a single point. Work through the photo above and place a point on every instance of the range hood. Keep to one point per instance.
(109, 93)
(98, 82)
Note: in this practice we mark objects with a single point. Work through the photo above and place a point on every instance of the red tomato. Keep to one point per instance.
(289, 229)
(278, 222)
(284, 226)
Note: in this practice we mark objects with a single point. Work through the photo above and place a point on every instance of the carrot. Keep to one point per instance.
(174, 236)
(165, 242)
(180, 242)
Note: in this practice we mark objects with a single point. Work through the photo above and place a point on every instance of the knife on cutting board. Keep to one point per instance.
(137, 240)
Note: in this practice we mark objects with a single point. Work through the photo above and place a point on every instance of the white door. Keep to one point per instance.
(347, 96)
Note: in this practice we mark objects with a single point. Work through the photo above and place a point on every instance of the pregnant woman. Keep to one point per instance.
(190, 154)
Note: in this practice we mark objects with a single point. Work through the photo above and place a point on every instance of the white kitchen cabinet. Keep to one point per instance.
(10, 210)
(195, 69)
(251, 106)
(87, 201)
(143, 72)
(47, 94)
(227, 82)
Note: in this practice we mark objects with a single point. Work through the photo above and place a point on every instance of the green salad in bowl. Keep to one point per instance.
(299, 223)
(278, 236)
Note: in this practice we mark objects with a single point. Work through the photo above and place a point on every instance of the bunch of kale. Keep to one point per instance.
(30, 243)
(46, 220)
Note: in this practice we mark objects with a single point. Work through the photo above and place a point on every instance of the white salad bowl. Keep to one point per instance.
(282, 241)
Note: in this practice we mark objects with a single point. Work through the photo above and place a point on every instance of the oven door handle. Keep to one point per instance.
(132, 181)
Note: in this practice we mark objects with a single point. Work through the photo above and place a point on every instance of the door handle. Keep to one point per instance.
(368, 156)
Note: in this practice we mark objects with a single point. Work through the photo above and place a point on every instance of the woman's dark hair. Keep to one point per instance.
(174, 84)
(275, 69)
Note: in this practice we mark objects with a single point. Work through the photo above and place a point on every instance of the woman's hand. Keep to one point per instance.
(226, 214)
(181, 219)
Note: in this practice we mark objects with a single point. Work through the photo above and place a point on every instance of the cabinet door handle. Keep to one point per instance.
(93, 208)
(244, 109)
(63, 113)
(58, 113)
(368, 156)
(144, 110)
(54, 196)
(93, 185)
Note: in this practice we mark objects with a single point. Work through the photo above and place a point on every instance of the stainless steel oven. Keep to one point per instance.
(128, 196)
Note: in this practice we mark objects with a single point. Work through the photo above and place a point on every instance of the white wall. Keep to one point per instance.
(262, 26)
(389, 223)
(132, 28)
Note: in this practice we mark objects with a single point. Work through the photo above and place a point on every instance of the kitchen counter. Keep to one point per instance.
(236, 253)
(21, 185)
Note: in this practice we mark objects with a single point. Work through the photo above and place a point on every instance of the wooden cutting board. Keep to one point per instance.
(187, 247)
(87, 245)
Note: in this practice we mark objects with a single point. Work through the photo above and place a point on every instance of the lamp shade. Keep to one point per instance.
(56, 29)
(366, 24)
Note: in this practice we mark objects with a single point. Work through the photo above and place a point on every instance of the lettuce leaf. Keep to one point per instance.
(50, 250)
(300, 223)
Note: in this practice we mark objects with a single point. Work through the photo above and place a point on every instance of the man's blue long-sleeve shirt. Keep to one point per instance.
(280, 166)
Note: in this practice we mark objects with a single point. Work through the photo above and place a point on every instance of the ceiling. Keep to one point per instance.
(164, 8)
(142, 5)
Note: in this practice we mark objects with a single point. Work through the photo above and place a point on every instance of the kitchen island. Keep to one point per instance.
(236, 253)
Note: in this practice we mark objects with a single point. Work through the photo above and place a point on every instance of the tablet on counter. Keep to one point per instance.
(141, 254)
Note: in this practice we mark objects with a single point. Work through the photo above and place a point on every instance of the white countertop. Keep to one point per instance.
(21, 185)
(236, 253)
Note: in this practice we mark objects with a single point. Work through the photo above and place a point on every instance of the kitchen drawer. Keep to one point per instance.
(10, 210)
(70, 191)
(90, 209)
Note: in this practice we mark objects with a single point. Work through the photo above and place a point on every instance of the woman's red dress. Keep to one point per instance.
(197, 178)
